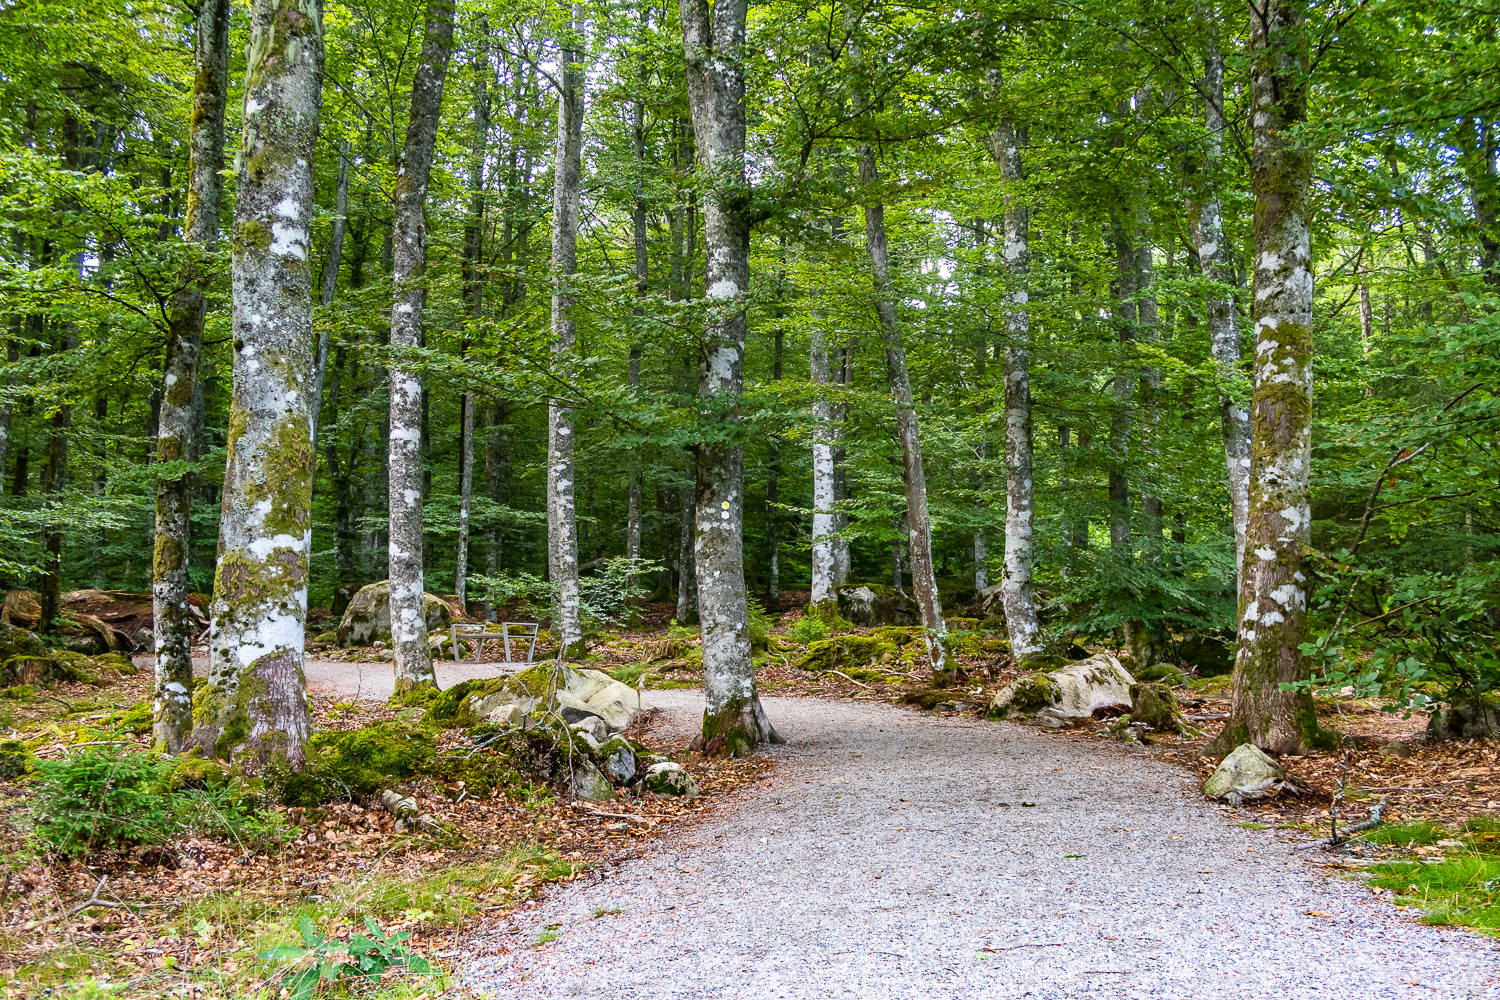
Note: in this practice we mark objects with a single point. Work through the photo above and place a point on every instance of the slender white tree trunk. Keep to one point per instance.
(919, 521)
(480, 65)
(331, 281)
(713, 46)
(634, 501)
(562, 516)
(413, 653)
(1016, 593)
(1273, 595)
(824, 598)
(254, 706)
(1223, 329)
(172, 703)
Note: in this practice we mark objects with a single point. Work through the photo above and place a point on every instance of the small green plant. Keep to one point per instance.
(808, 630)
(607, 911)
(681, 633)
(369, 957)
(1406, 834)
(106, 797)
(547, 935)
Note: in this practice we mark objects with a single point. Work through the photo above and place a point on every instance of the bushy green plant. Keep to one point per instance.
(808, 630)
(108, 797)
(681, 633)
(605, 599)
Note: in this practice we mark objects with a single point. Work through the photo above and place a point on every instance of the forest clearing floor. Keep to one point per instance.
(896, 855)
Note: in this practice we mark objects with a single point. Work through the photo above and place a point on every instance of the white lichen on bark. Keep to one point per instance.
(713, 46)
(562, 518)
(173, 623)
(409, 642)
(254, 703)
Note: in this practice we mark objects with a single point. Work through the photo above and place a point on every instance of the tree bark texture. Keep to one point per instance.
(713, 45)
(254, 705)
(474, 249)
(919, 521)
(633, 506)
(1016, 592)
(1124, 394)
(1223, 328)
(562, 514)
(1273, 592)
(824, 598)
(171, 703)
(331, 281)
(409, 642)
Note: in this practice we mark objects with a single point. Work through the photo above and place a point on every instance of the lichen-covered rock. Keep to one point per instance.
(869, 605)
(1075, 691)
(670, 778)
(590, 784)
(593, 729)
(844, 651)
(368, 616)
(1247, 773)
(619, 705)
(16, 641)
(617, 759)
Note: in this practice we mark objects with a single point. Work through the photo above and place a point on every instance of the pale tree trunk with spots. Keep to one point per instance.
(713, 46)
(919, 521)
(409, 642)
(1016, 593)
(1273, 592)
(1214, 261)
(331, 281)
(824, 598)
(172, 703)
(474, 251)
(634, 501)
(254, 705)
(562, 515)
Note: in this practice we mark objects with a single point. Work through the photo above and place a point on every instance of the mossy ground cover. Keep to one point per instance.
(194, 912)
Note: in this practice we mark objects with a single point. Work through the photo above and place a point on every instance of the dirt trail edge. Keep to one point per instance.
(899, 856)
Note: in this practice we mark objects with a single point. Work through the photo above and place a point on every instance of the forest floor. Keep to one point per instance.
(780, 867)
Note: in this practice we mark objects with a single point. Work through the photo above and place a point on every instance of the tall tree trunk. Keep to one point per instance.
(562, 514)
(824, 597)
(254, 707)
(1148, 317)
(474, 240)
(413, 660)
(713, 48)
(1273, 592)
(54, 482)
(172, 703)
(687, 577)
(1216, 265)
(773, 492)
(1124, 393)
(331, 281)
(919, 521)
(633, 507)
(1016, 592)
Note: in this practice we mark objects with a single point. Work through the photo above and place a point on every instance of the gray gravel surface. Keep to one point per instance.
(898, 856)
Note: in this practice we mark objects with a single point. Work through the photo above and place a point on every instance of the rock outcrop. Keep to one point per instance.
(368, 616)
(1247, 773)
(1076, 691)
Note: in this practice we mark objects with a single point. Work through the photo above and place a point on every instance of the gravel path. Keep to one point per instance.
(900, 856)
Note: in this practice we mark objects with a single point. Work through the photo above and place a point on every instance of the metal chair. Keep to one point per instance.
(478, 632)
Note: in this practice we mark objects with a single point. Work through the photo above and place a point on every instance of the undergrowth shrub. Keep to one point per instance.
(107, 797)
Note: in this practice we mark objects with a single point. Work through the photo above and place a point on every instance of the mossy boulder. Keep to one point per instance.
(669, 778)
(16, 641)
(848, 651)
(368, 616)
(15, 759)
(590, 784)
(1077, 691)
(61, 666)
(870, 604)
(354, 764)
(579, 694)
(617, 759)
(1045, 662)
